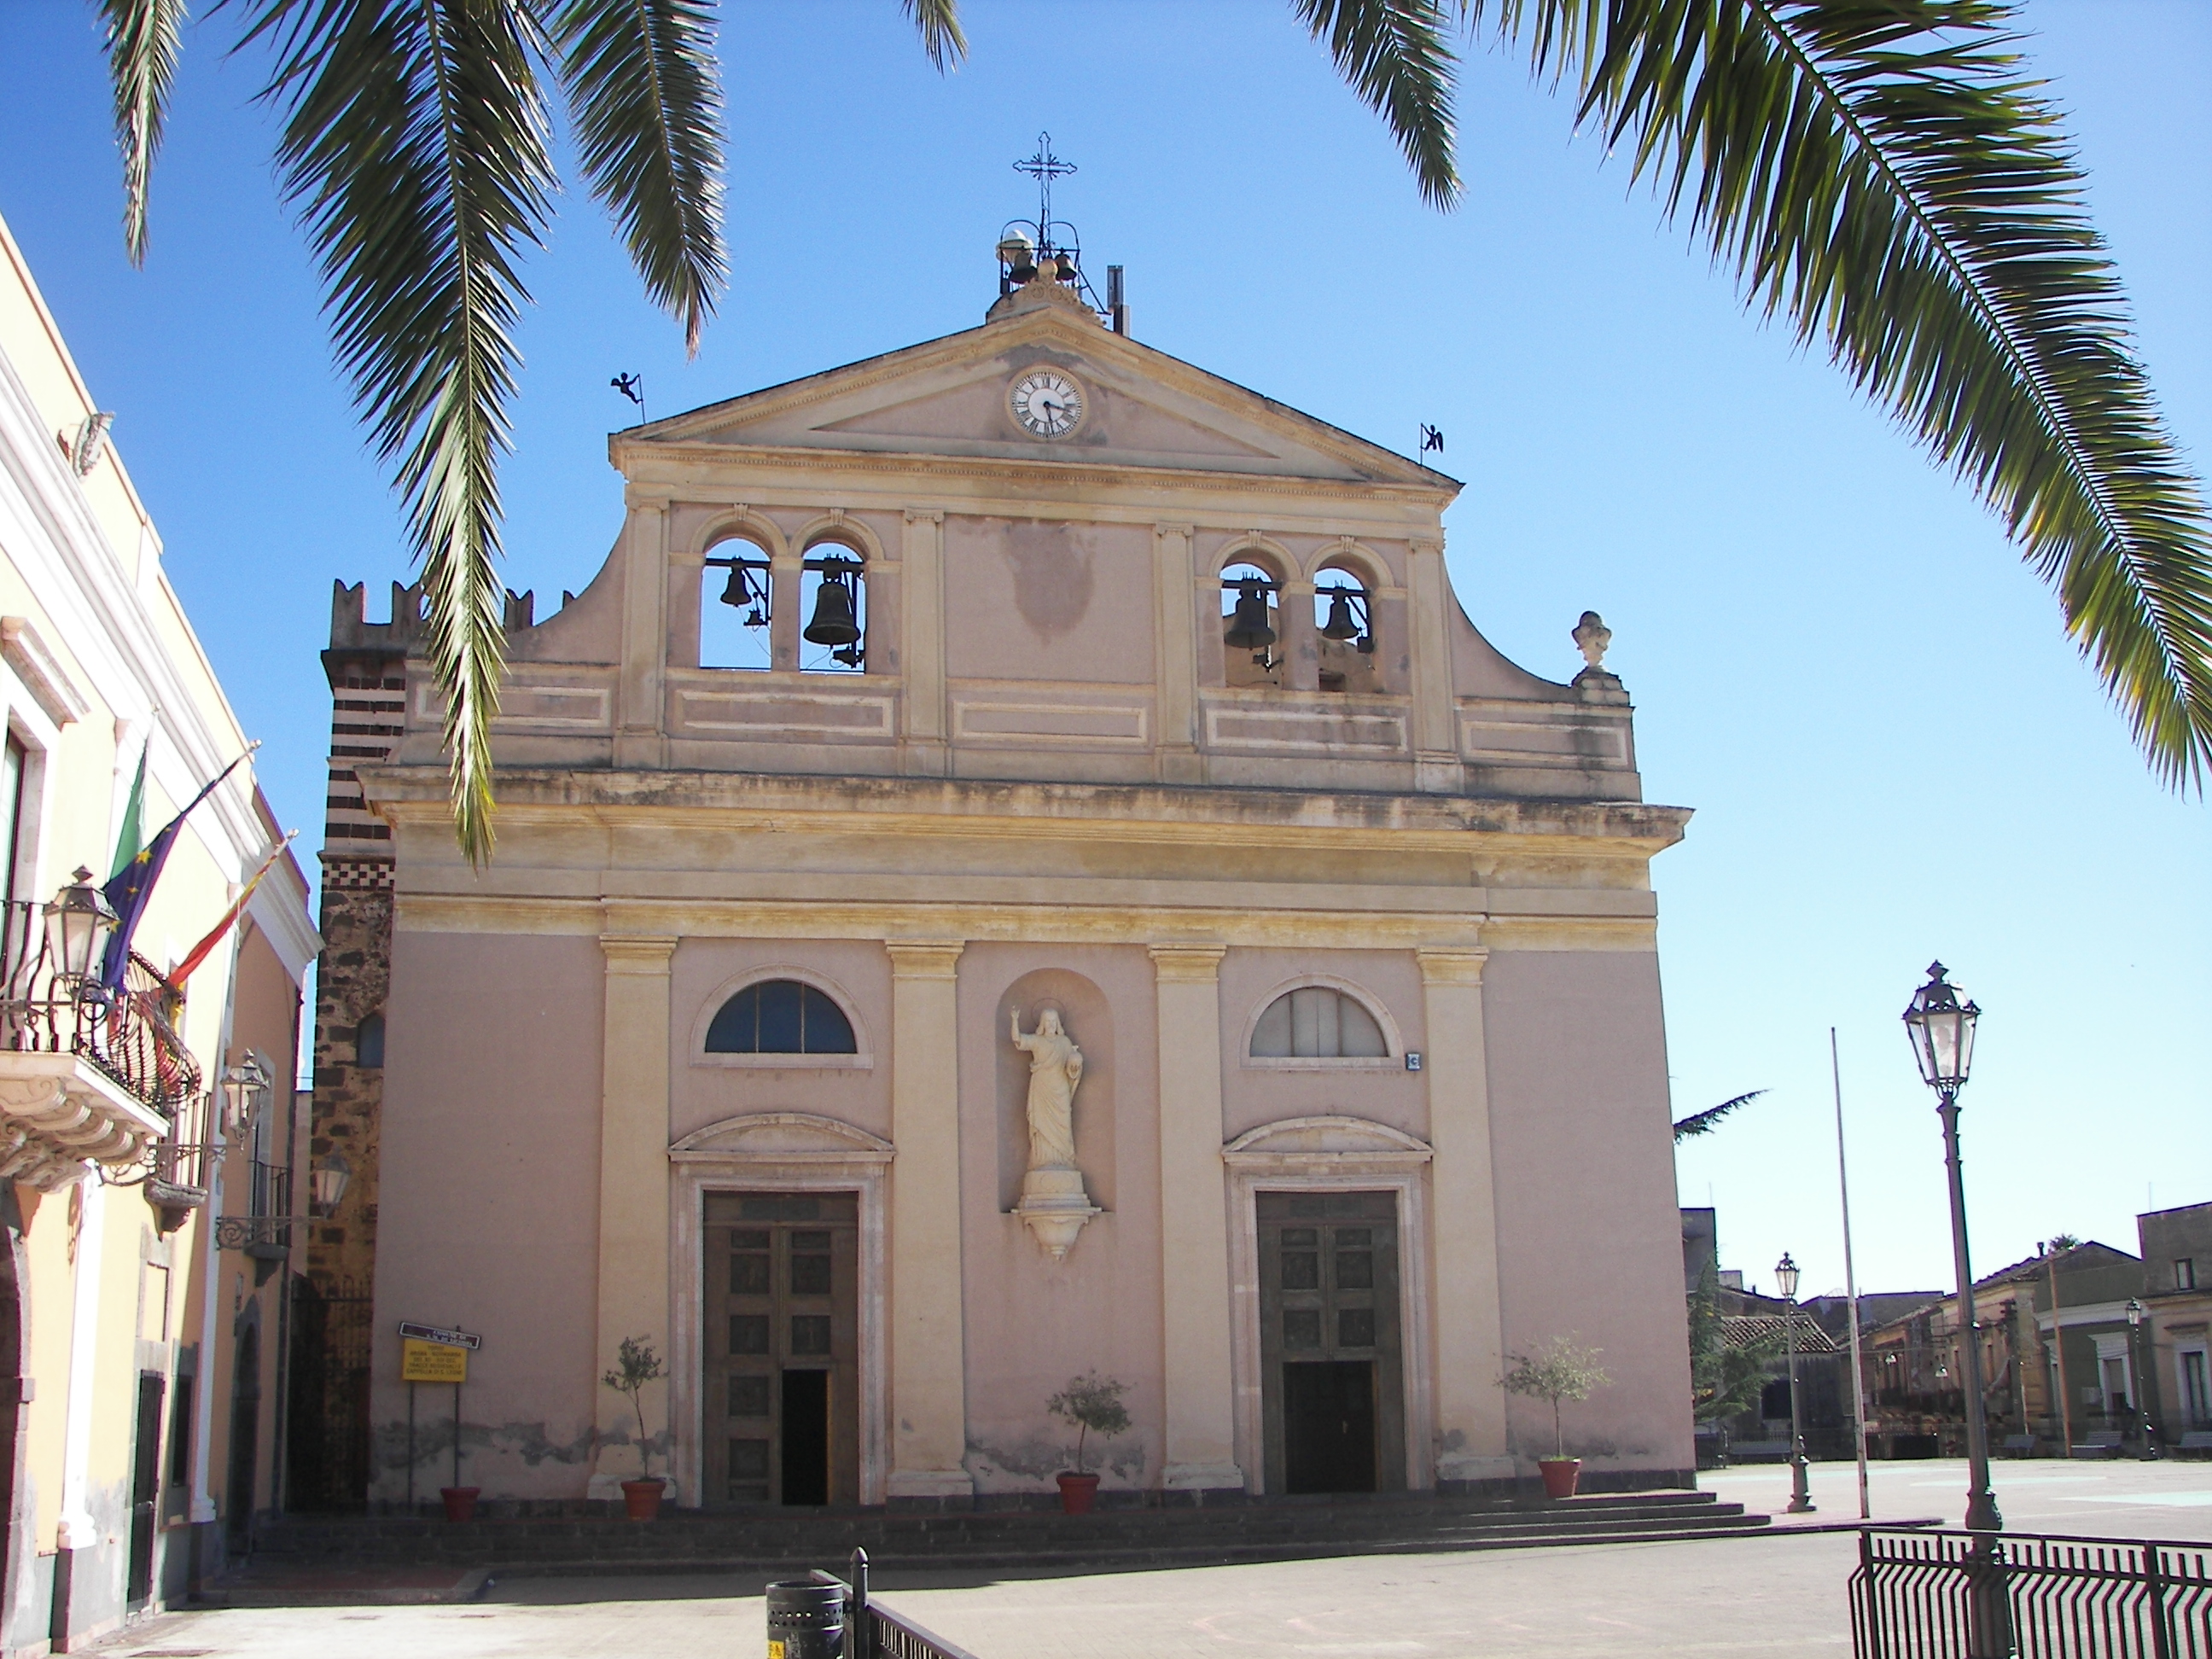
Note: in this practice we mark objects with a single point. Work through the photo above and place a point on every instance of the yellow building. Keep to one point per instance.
(124, 1416)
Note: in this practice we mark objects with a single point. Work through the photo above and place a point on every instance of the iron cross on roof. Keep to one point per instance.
(1044, 166)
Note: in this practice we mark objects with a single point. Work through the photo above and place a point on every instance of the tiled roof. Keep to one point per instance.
(1742, 1330)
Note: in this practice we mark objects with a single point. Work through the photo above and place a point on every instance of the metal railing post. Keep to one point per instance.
(860, 1629)
(2161, 1627)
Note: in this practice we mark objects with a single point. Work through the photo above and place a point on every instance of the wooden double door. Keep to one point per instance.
(783, 1346)
(1332, 1393)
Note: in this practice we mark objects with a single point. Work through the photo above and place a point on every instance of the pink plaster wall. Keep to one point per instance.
(490, 1157)
(702, 978)
(1033, 1322)
(1589, 1232)
(1254, 1095)
(1046, 599)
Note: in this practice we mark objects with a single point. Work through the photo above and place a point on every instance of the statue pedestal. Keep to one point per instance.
(1055, 1207)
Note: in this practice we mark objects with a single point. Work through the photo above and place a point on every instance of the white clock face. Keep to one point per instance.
(1047, 403)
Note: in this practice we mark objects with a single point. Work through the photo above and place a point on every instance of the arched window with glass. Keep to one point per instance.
(1318, 1022)
(781, 1016)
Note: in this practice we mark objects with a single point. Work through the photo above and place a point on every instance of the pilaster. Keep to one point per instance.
(929, 1379)
(1175, 652)
(1201, 1388)
(639, 698)
(1436, 767)
(633, 1288)
(1470, 1342)
(921, 648)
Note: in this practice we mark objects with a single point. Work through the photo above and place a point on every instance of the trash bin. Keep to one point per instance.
(806, 1619)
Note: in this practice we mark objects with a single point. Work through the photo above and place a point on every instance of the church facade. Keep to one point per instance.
(1122, 921)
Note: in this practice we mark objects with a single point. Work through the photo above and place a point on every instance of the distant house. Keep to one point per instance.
(2177, 1264)
(1914, 1372)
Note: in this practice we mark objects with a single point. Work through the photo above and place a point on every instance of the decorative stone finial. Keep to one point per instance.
(1591, 636)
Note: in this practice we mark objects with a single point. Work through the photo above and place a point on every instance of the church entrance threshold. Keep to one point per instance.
(782, 1276)
(1332, 1390)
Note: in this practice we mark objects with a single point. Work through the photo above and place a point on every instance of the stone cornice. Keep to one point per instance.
(417, 796)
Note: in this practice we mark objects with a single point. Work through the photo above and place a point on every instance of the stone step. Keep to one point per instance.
(692, 1541)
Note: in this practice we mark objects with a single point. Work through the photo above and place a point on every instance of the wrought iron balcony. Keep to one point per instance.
(86, 1077)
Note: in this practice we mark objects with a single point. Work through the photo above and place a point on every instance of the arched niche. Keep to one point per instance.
(1089, 1019)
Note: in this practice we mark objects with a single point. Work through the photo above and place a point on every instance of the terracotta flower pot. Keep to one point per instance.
(1560, 1474)
(641, 1498)
(1078, 1492)
(461, 1502)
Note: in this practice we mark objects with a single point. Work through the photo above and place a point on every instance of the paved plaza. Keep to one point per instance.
(1769, 1594)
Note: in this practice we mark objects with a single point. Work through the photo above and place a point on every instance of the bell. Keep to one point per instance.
(1340, 625)
(1248, 628)
(833, 623)
(734, 590)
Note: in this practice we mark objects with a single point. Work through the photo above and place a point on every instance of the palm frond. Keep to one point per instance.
(643, 81)
(1395, 56)
(1701, 1123)
(941, 35)
(416, 148)
(1884, 172)
(142, 43)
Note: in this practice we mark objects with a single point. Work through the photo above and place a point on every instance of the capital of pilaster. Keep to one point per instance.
(638, 953)
(925, 515)
(1188, 962)
(1453, 964)
(924, 958)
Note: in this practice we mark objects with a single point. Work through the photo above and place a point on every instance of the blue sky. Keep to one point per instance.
(1893, 752)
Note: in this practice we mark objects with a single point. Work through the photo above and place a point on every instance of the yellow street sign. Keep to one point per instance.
(432, 1362)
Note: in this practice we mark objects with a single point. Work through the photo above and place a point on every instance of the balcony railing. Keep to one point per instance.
(126, 1036)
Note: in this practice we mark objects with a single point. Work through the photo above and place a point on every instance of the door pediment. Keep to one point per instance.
(781, 1137)
(1331, 1139)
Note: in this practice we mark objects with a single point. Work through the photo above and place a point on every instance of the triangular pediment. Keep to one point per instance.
(950, 398)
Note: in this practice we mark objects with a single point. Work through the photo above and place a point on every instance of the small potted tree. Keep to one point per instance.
(635, 1365)
(1557, 1371)
(1094, 1406)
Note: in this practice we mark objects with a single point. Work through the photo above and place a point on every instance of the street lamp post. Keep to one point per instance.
(1801, 1495)
(1942, 1032)
(1941, 1027)
(2143, 1379)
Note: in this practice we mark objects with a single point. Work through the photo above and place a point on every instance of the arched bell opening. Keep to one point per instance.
(833, 603)
(1251, 625)
(1344, 629)
(735, 607)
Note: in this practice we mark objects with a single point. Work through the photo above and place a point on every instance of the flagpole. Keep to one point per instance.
(1850, 1281)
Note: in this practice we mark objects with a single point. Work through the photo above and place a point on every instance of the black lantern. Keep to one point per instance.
(244, 1086)
(78, 925)
(1786, 1278)
(327, 1184)
(1248, 628)
(1941, 1028)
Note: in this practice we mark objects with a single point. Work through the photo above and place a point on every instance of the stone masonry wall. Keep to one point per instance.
(354, 981)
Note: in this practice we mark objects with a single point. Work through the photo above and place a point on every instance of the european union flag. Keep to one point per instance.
(133, 886)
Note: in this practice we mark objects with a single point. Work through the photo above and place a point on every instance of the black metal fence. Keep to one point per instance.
(1945, 1595)
(872, 1631)
(127, 1035)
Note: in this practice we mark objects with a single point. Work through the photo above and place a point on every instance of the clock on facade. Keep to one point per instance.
(1047, 403)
